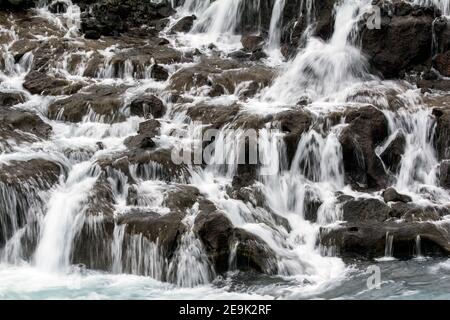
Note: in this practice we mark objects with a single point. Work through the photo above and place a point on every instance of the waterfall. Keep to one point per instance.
(389, 248)
(324, 68)
(443, 5)
(64, 218)
(275, 25)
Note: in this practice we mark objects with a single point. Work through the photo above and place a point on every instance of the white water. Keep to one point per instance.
(327, 72)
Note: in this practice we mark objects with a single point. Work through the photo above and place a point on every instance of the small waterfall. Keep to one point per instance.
(64, 218)
(322, 69)
(275, 25)
(418, 248)
(221, 17)
(443, 5)
(389, 246)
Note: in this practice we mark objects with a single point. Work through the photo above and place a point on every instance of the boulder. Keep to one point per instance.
(444, 174)
(252, 43)
(393, 153)
(146, 106)
(365, 210)
(391, 195)
(367, 128)
(403, 41)
(442, 133)
(184, 24)
(44, 84)
(368, 240)
(442, 63)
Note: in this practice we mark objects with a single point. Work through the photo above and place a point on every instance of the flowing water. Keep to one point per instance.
(329, 74)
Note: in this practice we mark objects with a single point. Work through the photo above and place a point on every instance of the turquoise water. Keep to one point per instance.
(414, 279)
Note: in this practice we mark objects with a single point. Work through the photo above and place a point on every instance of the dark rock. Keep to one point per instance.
(92, 34)
(440, 85)
(293, 123)
(367, 127)
(13, 119)
(442, 132)
(368, 240)
(146, 106)
(8, 99)
(444, 176)
(252, 43)
(41, 83)
(58, 7)
(184, 24)
(442, 63)
(365, 210)
(159, 73)
(403, 41)
(391, 195)
(392, 155)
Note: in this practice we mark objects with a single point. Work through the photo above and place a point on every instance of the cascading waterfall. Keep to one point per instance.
(443, 5)
(325, 68)
(281, 215)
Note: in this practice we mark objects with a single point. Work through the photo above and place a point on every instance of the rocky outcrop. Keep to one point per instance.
(442, 63)
(367, 128)
(403, 40)
(442, 133)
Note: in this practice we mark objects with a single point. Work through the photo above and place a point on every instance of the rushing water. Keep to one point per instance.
(329, 72)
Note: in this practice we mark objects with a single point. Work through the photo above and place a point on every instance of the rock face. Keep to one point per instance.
(442, 63)
(442, 133)
(367, 127)
(110, 17)
(403, 41)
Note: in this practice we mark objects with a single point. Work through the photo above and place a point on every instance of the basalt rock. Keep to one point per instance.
(146, 106)
(391, 195)
(368, 240)
(442, 133)
(367, 128)
(403, 40)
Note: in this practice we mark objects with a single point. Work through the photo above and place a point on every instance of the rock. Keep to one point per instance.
(150, 127)
(391, 195)
(8, 99)
(403, 41)
(440, 85)
(368, 240)
(39, 172)
(92, 34)
(392, 155)
(293, 123)
(442, 63)
(422, 215)
(219, 237)
(44, 84)
(365, 210)
(252, 43)
(148, 105)
(239, 55)
(367, 128)
(99, 101)
(159, 73)
(165, 229)
(217, 116)
(58, 7)
(444, 174)
(442, 133)
(140, 142)
(184, 24)
(13, 119)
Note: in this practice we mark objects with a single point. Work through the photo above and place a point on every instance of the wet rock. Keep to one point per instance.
(110, 17)
(391, 195)
(240, 55)
(150, 127)
(40, 172)
(164, 229)
(422, 214)
(444, 174)
(217, 116)
(442, 133)
(159, 73)
(140, 142)
(368, 240)
(252, 43)
(393, 153)
(58, 7)
(8, 99)
(44, 84)
(365, 210)
(146, 106)
(293, 123)
(184, 24)
(312, 204)
(181, 198)
(13, 119)
(219, 237)
(101, 102)
(440, 85)
(367, 128)
(403, 40)
(442, 63)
